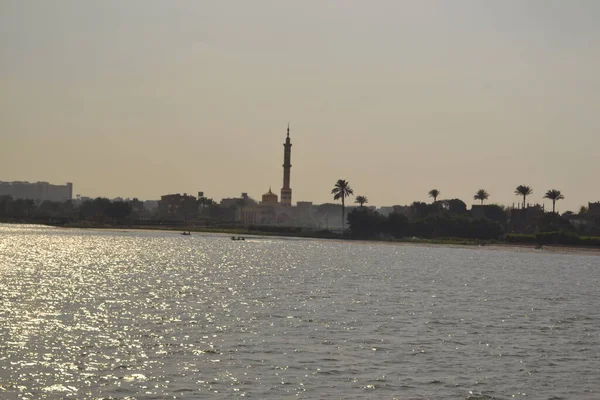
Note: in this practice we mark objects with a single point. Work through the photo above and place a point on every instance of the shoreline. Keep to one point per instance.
(442, 242)
(449, 242)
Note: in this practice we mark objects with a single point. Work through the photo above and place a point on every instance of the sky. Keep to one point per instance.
(142, 98)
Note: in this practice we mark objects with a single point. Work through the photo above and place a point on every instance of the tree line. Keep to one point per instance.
(102, 210)
(449, 218)
(96, 210)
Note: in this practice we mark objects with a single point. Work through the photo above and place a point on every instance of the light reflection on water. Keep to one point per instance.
(99, 314)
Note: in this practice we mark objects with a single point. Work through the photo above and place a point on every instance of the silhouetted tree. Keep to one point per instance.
(216, 212)
(552, 222)
(118, 210)
(94, 209)
(524, 191)
(29, 207)
(496, 213)
(365, 223)
(49, 209)
(554, 195)
(137, 208)
(361, 200)
(19, 208)
(397, 225)
(481, 195)
(456, 206)
(340, 191)
(434, 193)
(422, 210)
(6, 203)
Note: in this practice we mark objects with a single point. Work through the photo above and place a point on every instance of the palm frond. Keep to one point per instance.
(523, 190)
(554, 195)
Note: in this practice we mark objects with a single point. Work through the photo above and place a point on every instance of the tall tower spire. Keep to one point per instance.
(286, 191)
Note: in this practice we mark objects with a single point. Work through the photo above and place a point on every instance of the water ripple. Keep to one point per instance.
(100, 314)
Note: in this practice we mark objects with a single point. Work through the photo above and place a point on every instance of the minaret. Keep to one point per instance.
(286, 191)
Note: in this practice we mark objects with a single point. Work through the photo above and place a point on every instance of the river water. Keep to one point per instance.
(156, 315)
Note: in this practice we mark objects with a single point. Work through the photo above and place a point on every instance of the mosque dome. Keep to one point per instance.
(269, 197)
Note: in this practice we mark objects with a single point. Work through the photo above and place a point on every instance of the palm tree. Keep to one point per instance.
(481, 195)
(554, 195)
(524, 191)
(361, 200)
(434, 193)
(341, 190)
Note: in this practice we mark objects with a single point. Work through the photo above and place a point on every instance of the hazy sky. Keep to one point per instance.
(143, 98)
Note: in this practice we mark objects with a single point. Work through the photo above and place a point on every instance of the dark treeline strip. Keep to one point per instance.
(99, 210)
(367, 224)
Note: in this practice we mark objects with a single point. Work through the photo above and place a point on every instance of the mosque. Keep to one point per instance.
(271, 211)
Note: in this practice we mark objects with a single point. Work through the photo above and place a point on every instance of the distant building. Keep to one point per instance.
(233, 201)
(304, 214)
(266, 212)
(229, 202)
(579, 221)
(593, 209)
(269, 199)
(525, 220)
(272, 210)
(38, 191)
(286, 190)
(79, 200)
(175, 207)
(151, 205)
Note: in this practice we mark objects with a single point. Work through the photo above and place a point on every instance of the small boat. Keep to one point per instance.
(188, 233)
(238, 238)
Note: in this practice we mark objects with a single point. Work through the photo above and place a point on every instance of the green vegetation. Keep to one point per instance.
(554, 238)
(520, 238)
